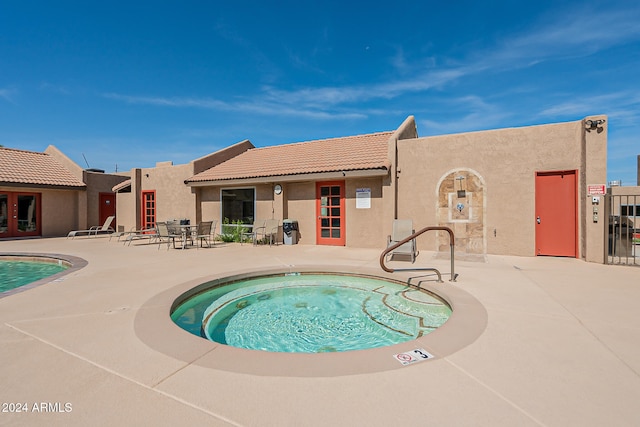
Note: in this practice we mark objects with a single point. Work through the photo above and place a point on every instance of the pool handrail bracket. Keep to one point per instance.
(413, 236)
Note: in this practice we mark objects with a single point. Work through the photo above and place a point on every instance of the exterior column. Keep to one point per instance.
(595, 173)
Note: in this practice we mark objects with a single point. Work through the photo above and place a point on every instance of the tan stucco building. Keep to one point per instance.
(47, 195)
(517, 191)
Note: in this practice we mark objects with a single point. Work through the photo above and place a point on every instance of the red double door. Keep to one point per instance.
(20, 214)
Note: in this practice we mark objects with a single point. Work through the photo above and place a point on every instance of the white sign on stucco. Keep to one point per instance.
(413, 356)
(363, 198)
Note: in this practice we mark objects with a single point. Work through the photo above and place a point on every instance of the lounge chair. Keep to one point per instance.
(402, 228)
(146, 233)
(96, 229)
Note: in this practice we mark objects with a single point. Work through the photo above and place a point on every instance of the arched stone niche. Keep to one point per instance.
(461, 207)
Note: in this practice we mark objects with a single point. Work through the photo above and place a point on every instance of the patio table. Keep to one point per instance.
(185, 230)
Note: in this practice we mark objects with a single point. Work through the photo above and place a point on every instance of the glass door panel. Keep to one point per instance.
(19, 214)
(4, 215)
(27, 220)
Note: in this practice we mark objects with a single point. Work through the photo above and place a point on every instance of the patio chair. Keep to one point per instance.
(166, 234)
(258, 227)
(269, 231)
(203, 233)
(401, 229)
(96, 229)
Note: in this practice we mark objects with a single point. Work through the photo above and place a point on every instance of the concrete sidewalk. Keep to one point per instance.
(560, 347)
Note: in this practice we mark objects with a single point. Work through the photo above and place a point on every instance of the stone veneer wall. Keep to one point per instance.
(463, 213)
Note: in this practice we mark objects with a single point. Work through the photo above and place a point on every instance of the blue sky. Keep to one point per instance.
(128, 84)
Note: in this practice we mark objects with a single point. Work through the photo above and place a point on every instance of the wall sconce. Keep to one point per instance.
(461, 191)
(147, 175)
(590, 125)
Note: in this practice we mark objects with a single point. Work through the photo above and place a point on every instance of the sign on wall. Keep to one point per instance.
(363, 198)
(596, 189)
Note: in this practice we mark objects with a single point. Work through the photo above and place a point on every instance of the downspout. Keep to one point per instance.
(396, 172)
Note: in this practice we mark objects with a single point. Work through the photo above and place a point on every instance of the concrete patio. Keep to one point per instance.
(559, 346)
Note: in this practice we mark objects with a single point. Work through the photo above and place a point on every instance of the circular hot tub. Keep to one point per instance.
(207, 322)
(311, 313)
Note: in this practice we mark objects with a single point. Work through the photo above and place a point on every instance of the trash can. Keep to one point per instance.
(290, 231)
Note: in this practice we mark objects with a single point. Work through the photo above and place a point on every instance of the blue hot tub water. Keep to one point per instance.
(311, 313)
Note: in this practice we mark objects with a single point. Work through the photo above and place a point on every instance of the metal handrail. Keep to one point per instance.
(413, 236)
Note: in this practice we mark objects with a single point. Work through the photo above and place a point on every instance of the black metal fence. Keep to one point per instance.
(623, 246)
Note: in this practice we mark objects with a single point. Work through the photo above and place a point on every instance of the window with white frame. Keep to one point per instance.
(238, 204)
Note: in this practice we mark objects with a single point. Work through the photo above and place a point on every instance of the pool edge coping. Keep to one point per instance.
(155, 328)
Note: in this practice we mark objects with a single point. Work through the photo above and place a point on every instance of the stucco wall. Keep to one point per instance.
(297, 202)
(126, 212)
(594, 168)
(99, 183)
(502, 165)
(301, 206)
(364, 226)
(210, 205)
(58, 209)
(174, 200)
(265, 202)
(507, 160)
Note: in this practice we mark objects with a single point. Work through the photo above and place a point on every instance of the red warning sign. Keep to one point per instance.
(595, 190)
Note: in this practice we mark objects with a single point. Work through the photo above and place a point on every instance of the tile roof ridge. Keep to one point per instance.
(336, 138)
(23, 151)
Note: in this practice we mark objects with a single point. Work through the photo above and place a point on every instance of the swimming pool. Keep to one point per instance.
(14, 274)
(23, 271)
(311, 313)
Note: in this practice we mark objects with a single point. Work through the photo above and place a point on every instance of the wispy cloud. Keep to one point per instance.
(6, 94)
(578, 33)
(574, 33)
(472, 113)
(564, 34)
(179, 102)
(622, 106)
(259, 106)
(49, 87)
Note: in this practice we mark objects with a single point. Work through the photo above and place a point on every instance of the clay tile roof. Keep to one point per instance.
(29, 167)
(360, 152)
(124, 184)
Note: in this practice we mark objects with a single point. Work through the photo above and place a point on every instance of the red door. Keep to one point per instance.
(330, 225)
(148, 209)
(556, 213)
(20, 214)
(107, 207)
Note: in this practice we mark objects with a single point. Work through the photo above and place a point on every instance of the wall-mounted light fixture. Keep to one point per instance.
(147, 175)
(461, 190)
(590, 125)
